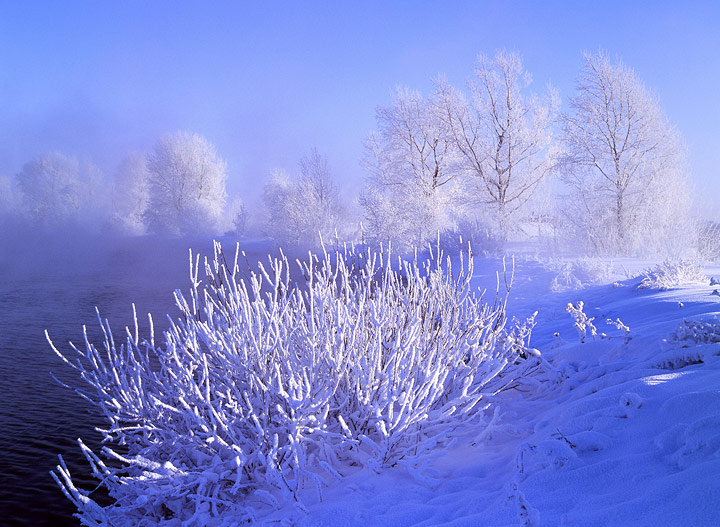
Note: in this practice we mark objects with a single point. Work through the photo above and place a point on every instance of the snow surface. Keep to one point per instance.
(629, 434)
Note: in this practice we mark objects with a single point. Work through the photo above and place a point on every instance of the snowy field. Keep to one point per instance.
(618, 425)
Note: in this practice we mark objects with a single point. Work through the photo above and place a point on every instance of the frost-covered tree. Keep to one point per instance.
(131, 194)
(187, 185)
(503, 135)
(301, 210)
(235, 216)
(624, 163)
(7, 196)
(411, 192)
(54, 187)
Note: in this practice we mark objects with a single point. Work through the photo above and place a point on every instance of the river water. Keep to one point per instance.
(55, 285)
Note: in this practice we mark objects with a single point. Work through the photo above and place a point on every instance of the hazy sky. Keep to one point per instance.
(267, 81)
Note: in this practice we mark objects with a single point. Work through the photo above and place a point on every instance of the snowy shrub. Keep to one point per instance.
(698, 332)
(619, 324)
(583, 323)
(478, 231)
(672, 273)
(578, 273)
(262, 386)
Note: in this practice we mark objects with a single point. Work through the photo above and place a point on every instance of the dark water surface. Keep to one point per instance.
(57, 288)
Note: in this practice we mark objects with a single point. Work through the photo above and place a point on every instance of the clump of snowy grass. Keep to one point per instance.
(583, 323)
(261, 387)
(672, 273)
(585, 326)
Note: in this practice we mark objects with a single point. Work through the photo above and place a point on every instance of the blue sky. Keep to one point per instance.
(267, 81)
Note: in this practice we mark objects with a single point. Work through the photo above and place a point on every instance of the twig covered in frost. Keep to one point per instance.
(621, 326)
(260, 386)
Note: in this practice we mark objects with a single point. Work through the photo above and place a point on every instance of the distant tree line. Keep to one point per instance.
(489, 162)
(483, 163)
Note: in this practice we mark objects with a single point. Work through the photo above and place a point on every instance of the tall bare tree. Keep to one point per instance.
(624, 162)
(503, 135)
(413, 171)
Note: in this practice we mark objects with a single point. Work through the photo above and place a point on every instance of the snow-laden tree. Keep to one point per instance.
(504, 137)
(7, 196)
(624, 164)
(57, 188)
(131, 194)
(302, 210)
(235, 217)
(412, 190)
(187, 185)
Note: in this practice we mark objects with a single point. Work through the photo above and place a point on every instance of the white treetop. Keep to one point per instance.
(54, 187)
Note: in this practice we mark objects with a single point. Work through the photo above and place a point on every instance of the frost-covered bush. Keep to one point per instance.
(262, 386)
(672, 273)
(579, 273)
(698, 332)
(479, 231)
(583, 323)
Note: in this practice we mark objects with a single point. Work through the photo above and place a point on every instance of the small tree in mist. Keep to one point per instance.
(300, 211)
(235, 216)
(411, 190)
(7, 196)
(131, 194)
(54, 187)
(624, 163)
(503, 136)
(187, 185)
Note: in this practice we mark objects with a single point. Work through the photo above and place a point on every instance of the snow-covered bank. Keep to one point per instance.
(619, 424)
(629, 436)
